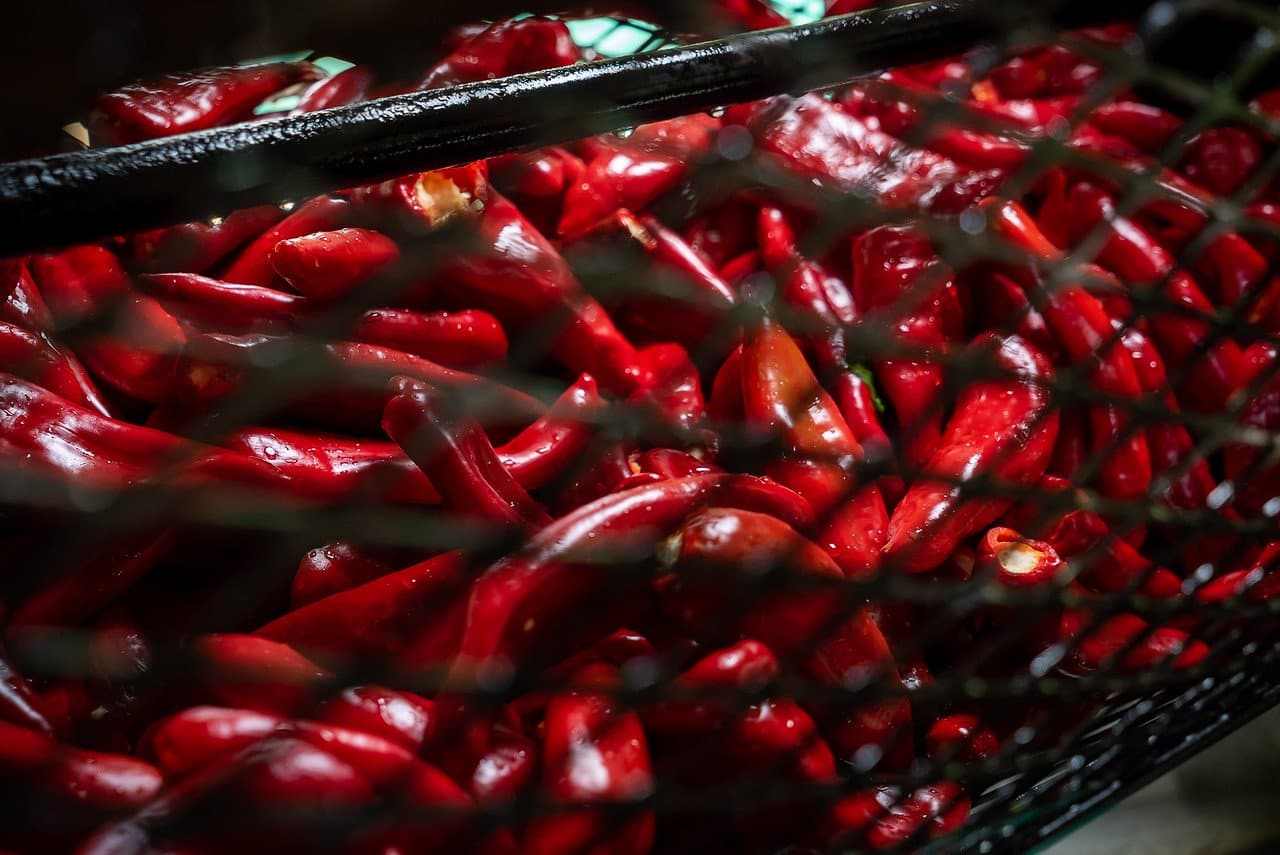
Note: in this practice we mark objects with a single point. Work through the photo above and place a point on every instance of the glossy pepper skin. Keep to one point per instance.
(505, 48)
(417, 608)
(593, 752)
(197, 247)
(465, 340)
(252, 266)
(36, 357)
(456, 455)
(1004, 429)
(1080, 324)
(180, 103)
(328, 265)
(631, 174)
(513, 606)
(514, 272)
(898, 279)
(814, 139)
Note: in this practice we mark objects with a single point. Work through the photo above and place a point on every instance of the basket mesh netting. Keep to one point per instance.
(892, 467)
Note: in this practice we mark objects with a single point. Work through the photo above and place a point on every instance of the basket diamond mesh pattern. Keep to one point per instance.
(1052, 605)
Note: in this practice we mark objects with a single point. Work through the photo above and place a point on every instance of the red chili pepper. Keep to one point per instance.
(511, 270)
(331, 569)
(86, 588)
(180, 103)
(505, 48)
(1256, 583)
(781, 394)
(192, 739)
(897, 277)
(1003, 428)
(537, 182)
(337, 467)
(19, 703)
(725, 233)
(593, 753)
(1239, 271)
(1146, 647)
(670, 463)
(280, 776)
(1221, 159)
(330, 265)
(80, 282)
(676, 295)
(1147, 127)
(35, 357)
(825, 305)
(725, 406)
(401, 717)
(886, 819)
(1072, 448)
(507, 769)
(81, 785)
(41, 431)
(348, 86)
(224, 305)
(22, 303)
(1257, 482)
(516, 605)
(197, 247)
(1170, 441)
(253, 265)
(416, 608)
(1004, 306)
(256, 673)
(676, 391)
(704, 697)
(1213, 370)
(1082, 327)
(818, 141)
(456, 455)
(632, 174)
(857, 532)
(961, 737)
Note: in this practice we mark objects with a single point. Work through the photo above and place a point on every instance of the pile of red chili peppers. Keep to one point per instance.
(683, 489)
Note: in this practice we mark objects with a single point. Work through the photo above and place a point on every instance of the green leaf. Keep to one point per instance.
(867, 377)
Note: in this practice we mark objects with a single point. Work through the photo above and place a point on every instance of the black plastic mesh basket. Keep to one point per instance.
(934, 468)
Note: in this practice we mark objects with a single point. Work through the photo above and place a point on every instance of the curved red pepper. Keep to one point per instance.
(1146, 647)
(961, 737)
(458, 458)
(886, 819)
(197, 247)
(346, 87)
(400, 717)
(463, 340)
(330, 265)
(818, 141)
(88, 587)
(1147, 127)
(257, 673)
(19, 703)
(47, 433)
(1082, 327)
(253, 265)
(593, 752)
(180, 103)
(897, 279)
(516, 605)
(35, 357)
(1221, 159)
(505, 48)
(1213, 370)
(331, 569)
(631, 174)
(1003, 429)
(418, 608)
(78, 781)
(781, 394)
(224, 305)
